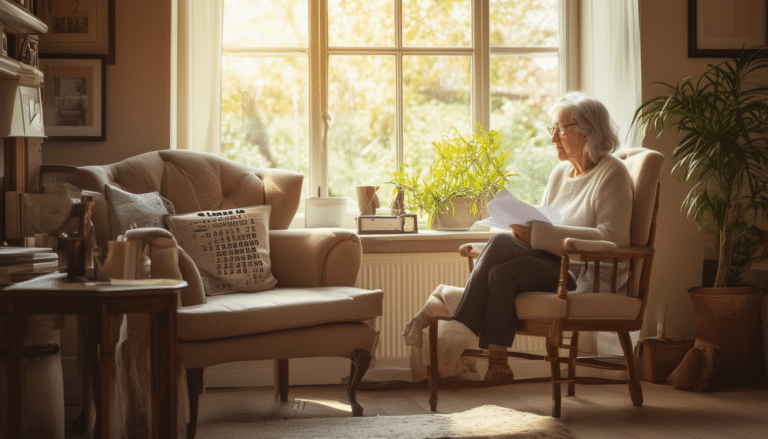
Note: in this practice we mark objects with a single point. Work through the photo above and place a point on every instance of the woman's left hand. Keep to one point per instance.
(522, 232)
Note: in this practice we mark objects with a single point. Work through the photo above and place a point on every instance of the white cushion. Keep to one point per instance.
(229, 247)
(583, 306)
(239, 314)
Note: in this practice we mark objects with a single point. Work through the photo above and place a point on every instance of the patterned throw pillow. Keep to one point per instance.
(129, 211)
(230, 247)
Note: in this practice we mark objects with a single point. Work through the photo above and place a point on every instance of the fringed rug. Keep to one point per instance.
(483, 422)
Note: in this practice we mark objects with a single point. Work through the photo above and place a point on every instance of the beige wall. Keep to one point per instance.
(138, 89)
(138, 108)
(680, 247)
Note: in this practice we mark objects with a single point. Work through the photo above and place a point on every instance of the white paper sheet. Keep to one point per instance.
(505, 209)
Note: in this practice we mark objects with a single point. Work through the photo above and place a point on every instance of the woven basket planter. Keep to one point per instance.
(730, 319)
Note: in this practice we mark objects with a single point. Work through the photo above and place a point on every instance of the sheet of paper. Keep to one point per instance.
(505, 209)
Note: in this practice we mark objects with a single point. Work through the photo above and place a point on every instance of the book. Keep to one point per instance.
(30, 267)
(505, 209)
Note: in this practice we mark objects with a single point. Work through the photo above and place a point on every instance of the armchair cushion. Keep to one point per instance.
(583, 306)
(242, 314)
(229, 247)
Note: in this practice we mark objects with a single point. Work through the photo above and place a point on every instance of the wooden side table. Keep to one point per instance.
(56, 294)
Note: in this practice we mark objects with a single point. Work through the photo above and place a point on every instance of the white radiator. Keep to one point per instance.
(407, 280)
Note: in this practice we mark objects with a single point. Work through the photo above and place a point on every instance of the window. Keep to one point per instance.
(347, 91)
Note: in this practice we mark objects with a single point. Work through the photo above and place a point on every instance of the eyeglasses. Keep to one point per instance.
(559, 127)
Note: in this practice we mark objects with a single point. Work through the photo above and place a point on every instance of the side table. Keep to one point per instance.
(56, 294)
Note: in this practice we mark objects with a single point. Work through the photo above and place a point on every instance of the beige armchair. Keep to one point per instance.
(314, 311)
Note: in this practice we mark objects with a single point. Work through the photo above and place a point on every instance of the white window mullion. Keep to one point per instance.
(399, 104)
(481, 60)
(318, 97)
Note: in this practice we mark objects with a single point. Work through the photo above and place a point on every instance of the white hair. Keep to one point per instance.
(592, 120)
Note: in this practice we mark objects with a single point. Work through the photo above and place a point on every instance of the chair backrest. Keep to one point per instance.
(644, 166)
(194, 181)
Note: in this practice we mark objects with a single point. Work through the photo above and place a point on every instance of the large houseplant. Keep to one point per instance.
(472, 169)
(722, 116)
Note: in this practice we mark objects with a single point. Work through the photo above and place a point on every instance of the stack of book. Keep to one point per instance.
(18, 264)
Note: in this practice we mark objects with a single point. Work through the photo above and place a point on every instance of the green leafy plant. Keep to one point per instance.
(472, 167)
(723, 117)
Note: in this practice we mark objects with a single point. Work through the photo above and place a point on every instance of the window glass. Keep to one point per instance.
(523, 23)
(361, 23)
(263, 115)
(361, 136)
(429, 23)
(249, 23)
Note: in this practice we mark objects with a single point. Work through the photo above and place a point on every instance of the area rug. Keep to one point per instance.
(483, 422)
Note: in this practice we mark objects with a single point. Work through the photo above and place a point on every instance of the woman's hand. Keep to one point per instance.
(522, 232)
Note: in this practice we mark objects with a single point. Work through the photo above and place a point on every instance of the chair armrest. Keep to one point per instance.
(315, 257)
(472, 249)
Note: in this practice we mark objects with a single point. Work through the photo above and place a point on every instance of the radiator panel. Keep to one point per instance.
(407, 280)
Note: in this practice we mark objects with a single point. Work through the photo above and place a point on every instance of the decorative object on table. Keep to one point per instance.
(367, 199)
(74, 101)
(371, 224)
(84, 26)
(79, 239)
(722, 28)
(466, 173)
(722, 115)
(397, 207)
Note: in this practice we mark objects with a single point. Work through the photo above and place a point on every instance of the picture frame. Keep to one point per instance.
(724, 28)
(74, 97)
(81, 26)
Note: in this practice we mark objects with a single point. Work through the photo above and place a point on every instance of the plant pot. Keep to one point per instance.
(458, 219)
(729, 318)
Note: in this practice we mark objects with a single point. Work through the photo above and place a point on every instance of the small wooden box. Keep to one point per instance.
(657, 359)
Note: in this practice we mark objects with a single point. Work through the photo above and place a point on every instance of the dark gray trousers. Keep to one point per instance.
(505, 268)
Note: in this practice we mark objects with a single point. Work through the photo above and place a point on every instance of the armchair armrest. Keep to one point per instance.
(315, 257)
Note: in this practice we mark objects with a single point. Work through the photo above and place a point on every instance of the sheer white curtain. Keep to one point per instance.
(611, 60)
(197, 78)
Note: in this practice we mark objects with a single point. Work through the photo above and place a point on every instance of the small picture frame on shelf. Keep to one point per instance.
(74, 97)
(83, 26)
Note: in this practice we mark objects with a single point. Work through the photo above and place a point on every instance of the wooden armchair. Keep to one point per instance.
(562, 316)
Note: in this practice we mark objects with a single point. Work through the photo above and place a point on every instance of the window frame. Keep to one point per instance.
(319, 52)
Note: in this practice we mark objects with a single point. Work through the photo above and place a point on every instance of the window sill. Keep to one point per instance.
(427, 241)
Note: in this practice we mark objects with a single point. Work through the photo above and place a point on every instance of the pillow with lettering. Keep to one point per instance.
(230, 247)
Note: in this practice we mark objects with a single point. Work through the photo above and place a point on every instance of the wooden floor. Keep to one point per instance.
(603, 411)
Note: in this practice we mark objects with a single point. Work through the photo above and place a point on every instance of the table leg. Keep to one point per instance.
(163, 360)
(102, 346)
(14, 370)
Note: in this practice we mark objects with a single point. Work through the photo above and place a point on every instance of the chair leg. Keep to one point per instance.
(194, 388)
(281, 380)
(635, 390)
(432, 368)
(554, 365)
(572, 354)
(360, 359)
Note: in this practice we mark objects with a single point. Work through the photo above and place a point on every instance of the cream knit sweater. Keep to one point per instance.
(596, 206)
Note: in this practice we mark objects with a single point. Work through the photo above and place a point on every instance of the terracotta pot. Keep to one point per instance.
(729, 318)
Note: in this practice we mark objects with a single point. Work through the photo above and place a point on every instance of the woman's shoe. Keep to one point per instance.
(497, 371)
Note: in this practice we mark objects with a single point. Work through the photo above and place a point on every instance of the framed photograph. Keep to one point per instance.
(74, 97)
(78, 26)
(723, 28)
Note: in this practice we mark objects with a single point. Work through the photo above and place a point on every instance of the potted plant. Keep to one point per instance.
(722, 116)
(465, 174)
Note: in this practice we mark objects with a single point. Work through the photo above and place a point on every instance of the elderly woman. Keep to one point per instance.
(591, 189)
